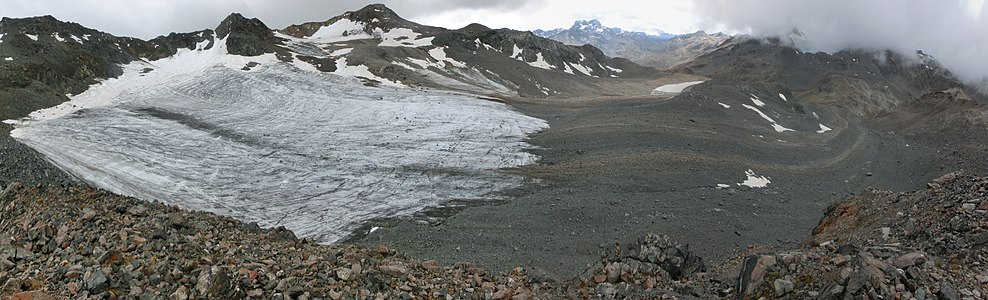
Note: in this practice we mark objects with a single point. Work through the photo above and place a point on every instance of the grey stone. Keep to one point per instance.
(920, 294)
(177, 220)
(344, 273)
(6, 265)
(214, 283)
(138, 210)
(97, 282)
(909, 259)
(947, 292)
(783, 287)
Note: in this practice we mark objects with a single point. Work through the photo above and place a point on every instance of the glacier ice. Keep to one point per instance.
(278, 145)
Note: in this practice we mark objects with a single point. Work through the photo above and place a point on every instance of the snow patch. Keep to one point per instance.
(783, 97)
(723, 186)
(402, 37)
(756, 101)
(568, 69)
(361, 71)
(754, 181)
(31, 36)
(423, 63)
(516, 52)
(583, 69)
(776, 126)
(823, 129)
(342, 30)
(303, 65)
(439, 54)
(724, 105)
(8, 58)
(540, 62)
(202, 45)
(616, 70)
(57, 37)
(481, 44)
(341, 52)
(674, 88)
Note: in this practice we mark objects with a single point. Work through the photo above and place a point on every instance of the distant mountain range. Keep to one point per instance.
(661, 51)
(588, 27)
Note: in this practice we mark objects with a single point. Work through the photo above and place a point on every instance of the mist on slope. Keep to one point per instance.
(955, 32)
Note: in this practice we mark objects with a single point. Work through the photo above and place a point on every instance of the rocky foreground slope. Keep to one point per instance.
(86, 243)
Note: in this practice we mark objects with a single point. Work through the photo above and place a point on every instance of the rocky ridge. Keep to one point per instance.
(86, 243)
(659, 51)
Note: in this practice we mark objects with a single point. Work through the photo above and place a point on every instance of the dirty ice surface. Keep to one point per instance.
(318, 153)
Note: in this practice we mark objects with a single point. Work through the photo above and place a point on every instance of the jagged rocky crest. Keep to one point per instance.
(660, 51)
(249, 37)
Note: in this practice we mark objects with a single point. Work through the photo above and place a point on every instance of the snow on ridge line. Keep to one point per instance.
(754, 180)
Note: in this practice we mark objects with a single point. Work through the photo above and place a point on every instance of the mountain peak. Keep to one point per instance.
(375, 13)
(248, 37)
(588, 25)
(237, 22)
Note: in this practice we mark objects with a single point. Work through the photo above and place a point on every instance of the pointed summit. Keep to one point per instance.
(587, 25)
(236, 22)
(370, 18)
(248, 37)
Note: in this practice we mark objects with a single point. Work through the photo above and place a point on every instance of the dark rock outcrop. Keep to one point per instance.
(249, 37)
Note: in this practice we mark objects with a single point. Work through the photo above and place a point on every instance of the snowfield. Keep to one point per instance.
(674, 88)
(319, 154)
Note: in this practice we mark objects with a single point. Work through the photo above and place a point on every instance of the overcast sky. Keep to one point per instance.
(954, 31)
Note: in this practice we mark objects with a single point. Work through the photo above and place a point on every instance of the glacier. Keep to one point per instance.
(280, 145)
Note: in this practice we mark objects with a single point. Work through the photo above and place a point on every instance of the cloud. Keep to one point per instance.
(955, 32)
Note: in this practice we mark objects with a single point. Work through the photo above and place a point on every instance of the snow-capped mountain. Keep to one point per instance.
(594, 27)
(376, 41)
(660, 51)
